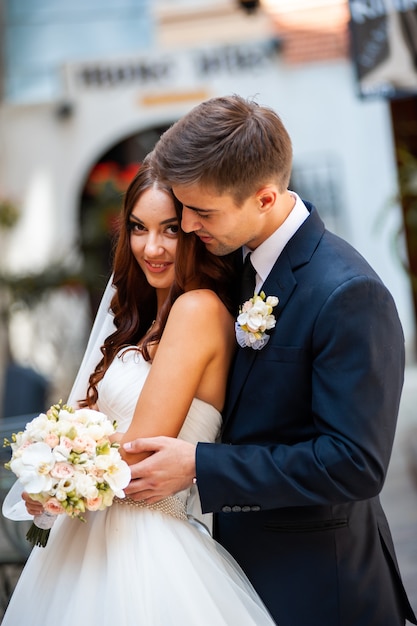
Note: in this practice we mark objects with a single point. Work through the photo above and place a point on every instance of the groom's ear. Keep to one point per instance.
(266, 197)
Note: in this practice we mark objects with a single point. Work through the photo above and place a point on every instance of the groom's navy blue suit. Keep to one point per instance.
(312, 418)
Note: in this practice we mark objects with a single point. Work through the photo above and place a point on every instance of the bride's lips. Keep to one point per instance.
(157, 267)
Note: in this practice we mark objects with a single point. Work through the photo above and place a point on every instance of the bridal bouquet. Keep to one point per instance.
(65, 461)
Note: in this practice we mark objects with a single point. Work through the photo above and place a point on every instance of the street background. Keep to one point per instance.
(399, 495)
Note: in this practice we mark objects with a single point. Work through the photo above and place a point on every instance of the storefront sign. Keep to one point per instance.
(166, 70)
(384, 46)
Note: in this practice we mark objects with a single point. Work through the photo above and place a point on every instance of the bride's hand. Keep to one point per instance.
(32, 507)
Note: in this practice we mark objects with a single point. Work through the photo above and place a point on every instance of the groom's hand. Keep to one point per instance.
(169, 468)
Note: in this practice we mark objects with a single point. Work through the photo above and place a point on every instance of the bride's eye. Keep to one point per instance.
(173, 229)
(135, 227)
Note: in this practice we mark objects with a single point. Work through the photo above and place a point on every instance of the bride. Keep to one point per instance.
(166, 348)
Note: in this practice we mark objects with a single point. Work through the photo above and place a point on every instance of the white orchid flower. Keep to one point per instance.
(116, 472)
(33, 466)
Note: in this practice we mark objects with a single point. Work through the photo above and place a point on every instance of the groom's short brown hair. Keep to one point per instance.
(228, 144)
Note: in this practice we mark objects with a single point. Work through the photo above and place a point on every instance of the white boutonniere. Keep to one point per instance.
(254, 319)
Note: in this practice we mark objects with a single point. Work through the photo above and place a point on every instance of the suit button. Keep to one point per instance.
(226, 509)
(245, 509)
(255, 508)
(236, 509)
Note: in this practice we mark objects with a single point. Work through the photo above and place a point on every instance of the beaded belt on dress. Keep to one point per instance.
(172, 506)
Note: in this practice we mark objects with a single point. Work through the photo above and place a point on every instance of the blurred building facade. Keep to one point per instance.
(95, 83)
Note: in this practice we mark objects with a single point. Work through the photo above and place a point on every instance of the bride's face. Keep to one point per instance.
(154, 227)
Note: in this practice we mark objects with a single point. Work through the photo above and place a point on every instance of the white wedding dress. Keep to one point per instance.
(135, 566)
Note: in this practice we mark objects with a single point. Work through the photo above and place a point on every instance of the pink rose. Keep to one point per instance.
(96, 472)
(54, 507)
(52, 440)
(93, 504)
(84, 444)
(62, 470)
(65, 442)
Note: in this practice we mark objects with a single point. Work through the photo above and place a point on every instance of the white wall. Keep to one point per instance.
(320, 108)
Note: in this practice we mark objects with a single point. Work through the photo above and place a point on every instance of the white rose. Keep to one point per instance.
(86, 486)
(272, 301)
(100, 431)
(37, 428)
(90, 416)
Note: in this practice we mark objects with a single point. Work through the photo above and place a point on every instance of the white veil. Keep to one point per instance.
(13, 506)
(103, 327)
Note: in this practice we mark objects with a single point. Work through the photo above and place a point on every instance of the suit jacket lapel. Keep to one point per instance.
(281, 282)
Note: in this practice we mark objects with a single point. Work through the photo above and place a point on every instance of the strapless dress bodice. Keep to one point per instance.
(120, 388)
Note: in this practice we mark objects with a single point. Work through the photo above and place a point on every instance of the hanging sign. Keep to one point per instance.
(384, 46)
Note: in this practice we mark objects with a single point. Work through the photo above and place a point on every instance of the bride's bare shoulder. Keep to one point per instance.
(202, 302)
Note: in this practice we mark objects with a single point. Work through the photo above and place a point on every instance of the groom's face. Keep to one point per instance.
(221, 224)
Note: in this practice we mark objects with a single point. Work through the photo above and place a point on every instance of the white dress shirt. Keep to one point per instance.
(263, 258)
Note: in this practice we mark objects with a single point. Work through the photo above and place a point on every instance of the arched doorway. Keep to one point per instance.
(101, 203)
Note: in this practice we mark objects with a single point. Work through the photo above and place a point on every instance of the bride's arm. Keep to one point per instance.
(192, 360)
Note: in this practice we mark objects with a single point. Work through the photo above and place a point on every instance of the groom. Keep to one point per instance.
(310, 417)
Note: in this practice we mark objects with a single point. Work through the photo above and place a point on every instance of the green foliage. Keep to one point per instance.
(9, 214)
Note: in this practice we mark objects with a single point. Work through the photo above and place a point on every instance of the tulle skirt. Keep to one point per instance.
(128, 567)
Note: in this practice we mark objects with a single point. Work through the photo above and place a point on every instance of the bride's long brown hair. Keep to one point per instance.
(134, 303)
